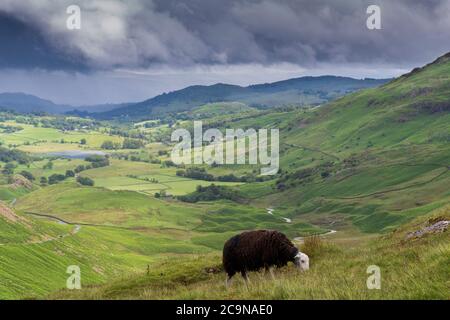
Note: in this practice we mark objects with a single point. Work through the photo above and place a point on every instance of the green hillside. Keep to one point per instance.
(378, 157)
(220, 108)
(373, 162)
(363, 171)
(409, 269)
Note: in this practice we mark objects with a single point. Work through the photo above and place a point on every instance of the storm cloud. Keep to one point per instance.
(182, 33)
(196, 38)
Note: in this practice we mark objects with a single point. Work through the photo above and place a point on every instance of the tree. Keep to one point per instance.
(108, 145)
(132, 144)
(70, 173)
(85, 181)
(325, 174)
(55, 178)
(80, 168)
(83, 141)
(97, 161)
(180, 173)
(162, 152)
(9, 168)
(169, 163)
(27, 175)
(43, 181)
(48, 165)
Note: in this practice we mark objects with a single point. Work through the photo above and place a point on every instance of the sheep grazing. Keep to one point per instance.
(253, 250)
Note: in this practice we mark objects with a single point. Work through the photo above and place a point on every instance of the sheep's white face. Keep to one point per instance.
(302, 261)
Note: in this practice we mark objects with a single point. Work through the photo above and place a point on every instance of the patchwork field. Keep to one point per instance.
(146, 178)
(41, 140)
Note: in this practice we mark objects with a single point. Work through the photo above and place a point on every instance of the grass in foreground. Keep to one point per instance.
(410, 269)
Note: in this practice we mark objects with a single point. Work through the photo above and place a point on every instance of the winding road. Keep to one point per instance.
(74, 231)
(300, 239)
(270, 211)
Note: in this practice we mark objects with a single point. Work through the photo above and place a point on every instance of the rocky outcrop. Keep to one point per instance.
(436, 227)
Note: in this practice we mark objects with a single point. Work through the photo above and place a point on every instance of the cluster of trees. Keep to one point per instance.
(195, 173)
(9, 168)
(6, 115)
(136, 158)
(110, 145)
(85, 181)
(132, 144)
(10, 129)
(126, 144)
(9, 155)
(57, 177)
(202, 174)
(161, 194)
(152, 124)
(68, 124)
(169, 163)
(134, 134)
(98, 161)
(211, 193)
(291, 179)
(19, 118)
(28, 175)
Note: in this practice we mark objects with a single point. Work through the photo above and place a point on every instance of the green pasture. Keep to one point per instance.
(131, 175)
(35, 139)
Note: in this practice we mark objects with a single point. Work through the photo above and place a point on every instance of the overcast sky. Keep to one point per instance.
(132, 50)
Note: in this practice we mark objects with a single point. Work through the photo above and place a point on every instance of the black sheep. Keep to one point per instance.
(253, 250)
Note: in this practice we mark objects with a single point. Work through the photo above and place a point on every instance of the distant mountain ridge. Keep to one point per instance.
(299, 91)
(26, 103)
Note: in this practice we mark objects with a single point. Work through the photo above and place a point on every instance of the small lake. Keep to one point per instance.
(75, 154)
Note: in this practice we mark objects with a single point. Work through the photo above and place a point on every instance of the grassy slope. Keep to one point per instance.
(121, 233)
(387, 152)
(129, 209)
(397, 176)
(35, 255)
(220, 108)
(410, 269)
(400, 173)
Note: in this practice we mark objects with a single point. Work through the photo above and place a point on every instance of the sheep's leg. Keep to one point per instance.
(268, 269)
(271, 273)
(245, 276)
(228, 281)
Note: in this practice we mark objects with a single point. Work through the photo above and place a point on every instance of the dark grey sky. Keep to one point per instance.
(131, 50)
